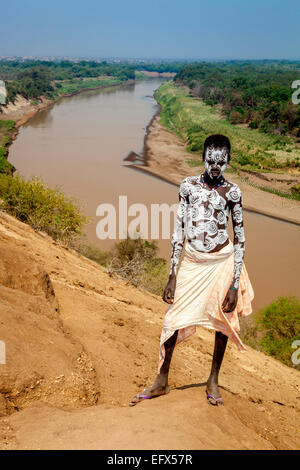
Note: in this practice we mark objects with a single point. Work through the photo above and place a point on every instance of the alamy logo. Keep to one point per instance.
(145, 224)
(296, 355)
(3, 92)
(296, 94)
(2, 353)
(139, 225)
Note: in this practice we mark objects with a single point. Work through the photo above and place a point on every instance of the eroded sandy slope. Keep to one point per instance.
(80, 344)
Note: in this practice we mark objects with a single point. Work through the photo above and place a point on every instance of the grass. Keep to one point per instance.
(278, 192)
(76, 84)
(6, 129)
(45, 209)
(193, 120)
(294, 194)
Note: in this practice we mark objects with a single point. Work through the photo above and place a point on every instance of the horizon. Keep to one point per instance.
(146, 59)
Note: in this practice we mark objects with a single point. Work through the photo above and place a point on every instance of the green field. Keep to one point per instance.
(193, 121)
(76, 84)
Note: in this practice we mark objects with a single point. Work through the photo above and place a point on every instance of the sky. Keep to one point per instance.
(167, 29)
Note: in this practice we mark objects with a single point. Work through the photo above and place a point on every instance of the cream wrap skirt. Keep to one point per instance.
(203, 280)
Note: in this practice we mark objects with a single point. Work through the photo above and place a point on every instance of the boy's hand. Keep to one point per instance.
(230, 301)
(168, 295)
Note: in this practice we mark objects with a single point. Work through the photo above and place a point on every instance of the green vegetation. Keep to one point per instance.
(257, 93)
(76, 84)
(292, 195)
(6, 129)
(45, 209)
(296, 189)
(34, 78)
(140, 76)
(193, 120)
(161, 66)
(66, 69)
(134, 260)
(30, 83)
(276, 328)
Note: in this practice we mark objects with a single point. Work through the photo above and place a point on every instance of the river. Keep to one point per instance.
(80, 143)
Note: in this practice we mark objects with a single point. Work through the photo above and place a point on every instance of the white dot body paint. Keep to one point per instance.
(203, 213)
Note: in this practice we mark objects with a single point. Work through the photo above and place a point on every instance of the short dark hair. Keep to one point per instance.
(218, 141)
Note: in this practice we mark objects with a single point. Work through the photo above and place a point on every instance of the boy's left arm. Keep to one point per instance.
(235, 198)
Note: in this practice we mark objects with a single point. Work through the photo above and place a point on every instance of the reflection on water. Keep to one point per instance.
(80, 143)
(45, 119)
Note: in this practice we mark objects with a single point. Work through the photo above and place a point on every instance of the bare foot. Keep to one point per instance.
(212, 392)
(159, 387)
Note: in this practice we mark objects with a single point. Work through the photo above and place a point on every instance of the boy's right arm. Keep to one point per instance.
(177, 243)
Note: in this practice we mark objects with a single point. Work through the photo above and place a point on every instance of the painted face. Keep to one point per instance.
(215, 161)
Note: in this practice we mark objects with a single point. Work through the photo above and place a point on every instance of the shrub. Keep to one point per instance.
(280, 325)
(264, 126)
(45, 209)
(253, 124)
(136, 260)
(296, 189)
(236, 117)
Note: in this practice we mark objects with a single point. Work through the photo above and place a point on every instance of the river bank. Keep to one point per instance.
(166, 157)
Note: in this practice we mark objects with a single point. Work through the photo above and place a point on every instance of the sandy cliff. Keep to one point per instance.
(80, 344)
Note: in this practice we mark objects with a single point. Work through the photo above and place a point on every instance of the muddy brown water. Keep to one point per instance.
(80, 144)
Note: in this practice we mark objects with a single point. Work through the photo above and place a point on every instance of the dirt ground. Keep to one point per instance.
(80, 344)
(166, 157)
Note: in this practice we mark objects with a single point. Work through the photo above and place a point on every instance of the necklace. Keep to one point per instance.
(216, 185)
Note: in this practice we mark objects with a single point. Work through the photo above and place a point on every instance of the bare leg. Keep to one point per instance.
(212, 382)
(160, 384)
(162, 378)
